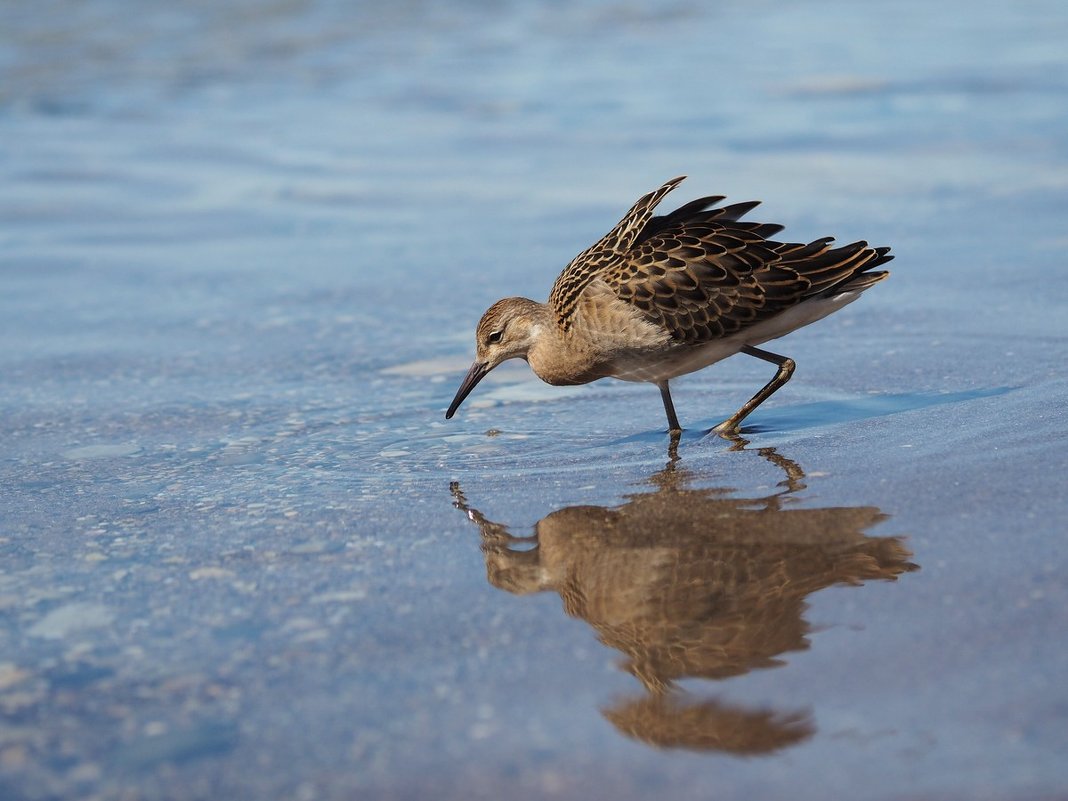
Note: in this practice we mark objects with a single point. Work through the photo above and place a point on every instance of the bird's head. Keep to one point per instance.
(506, 331)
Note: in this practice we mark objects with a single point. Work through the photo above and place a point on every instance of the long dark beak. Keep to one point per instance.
(474, 375)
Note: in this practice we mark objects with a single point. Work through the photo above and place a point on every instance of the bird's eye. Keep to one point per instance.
(495, 337)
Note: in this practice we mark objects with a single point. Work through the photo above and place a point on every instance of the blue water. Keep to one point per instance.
(243, 248)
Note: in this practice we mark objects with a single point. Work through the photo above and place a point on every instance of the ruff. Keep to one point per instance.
(659, 297)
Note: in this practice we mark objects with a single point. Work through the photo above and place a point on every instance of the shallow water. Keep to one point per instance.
(243, 556)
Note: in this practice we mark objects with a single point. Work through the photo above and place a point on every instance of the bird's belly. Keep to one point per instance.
(676, 361)
(682, 359)
(795, 317)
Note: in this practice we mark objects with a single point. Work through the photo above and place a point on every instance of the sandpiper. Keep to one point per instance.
(659, 297)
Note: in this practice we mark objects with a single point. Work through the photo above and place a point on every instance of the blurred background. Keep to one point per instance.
(243, 247)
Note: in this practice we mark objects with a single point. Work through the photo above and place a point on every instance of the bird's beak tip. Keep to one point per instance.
(474, 375)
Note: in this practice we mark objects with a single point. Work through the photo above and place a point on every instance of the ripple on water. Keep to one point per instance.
(494, 433)
(512, 453)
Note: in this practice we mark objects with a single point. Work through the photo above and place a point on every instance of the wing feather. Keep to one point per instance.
(701, 272)
(705, 274)
(605, 254)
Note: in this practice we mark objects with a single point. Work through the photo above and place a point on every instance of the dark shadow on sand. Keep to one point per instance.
(826, 413)
(823, 413)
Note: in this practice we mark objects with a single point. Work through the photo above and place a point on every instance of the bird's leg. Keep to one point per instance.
(669, 407)
(786, 369)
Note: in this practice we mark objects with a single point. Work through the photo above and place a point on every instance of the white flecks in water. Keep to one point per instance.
(11, 674)
(70, 619)
(424, 368)
(534, 390)
(340, 596)
(202, 573)
(459, 439)
(102, 451)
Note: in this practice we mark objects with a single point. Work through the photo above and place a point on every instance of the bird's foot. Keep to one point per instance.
(728, 429)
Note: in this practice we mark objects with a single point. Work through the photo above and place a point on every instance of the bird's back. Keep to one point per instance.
(702, 273)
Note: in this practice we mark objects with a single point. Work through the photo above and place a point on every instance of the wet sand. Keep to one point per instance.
(243, 556)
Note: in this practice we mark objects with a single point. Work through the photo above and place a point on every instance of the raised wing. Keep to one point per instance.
(605, 254)
(703, 274)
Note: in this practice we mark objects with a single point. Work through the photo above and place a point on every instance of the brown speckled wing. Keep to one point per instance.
(605, 254)
(702, 274)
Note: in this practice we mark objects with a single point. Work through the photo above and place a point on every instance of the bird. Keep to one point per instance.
(658, 297)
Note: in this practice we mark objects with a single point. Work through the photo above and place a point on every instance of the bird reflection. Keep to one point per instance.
(695, 583)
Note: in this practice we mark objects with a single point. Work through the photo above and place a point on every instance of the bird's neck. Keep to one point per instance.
(556, 356)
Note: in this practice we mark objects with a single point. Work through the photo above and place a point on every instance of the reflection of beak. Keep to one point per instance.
(474, 375)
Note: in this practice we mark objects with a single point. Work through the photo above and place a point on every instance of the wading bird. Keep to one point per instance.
(659, 297)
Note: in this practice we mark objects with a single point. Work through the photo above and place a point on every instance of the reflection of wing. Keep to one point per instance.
(669, 722)
(687, 585)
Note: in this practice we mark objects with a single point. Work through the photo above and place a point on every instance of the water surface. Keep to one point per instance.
(242, 555)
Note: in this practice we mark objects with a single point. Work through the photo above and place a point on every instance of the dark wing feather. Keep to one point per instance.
(605, 254)
(703, 273)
